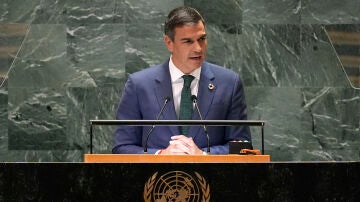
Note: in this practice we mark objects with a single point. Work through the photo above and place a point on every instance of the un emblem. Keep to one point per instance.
(176, 186)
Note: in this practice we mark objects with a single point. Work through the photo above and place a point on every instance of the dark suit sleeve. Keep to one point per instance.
(237, 110)
(128, 138)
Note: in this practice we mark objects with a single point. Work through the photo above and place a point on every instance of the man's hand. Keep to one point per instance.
(180, 144)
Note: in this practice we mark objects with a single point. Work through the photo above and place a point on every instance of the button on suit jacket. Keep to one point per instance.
(144, 95)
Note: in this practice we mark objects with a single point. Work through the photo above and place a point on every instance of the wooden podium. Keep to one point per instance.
(151, 158)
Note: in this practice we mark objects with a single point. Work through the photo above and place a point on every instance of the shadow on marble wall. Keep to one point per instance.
(65, 63)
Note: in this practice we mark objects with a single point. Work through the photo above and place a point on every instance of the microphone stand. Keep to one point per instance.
(167, 99)
(194, 98)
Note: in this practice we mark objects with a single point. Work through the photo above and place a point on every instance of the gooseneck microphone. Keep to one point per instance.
(167, 99)
(194, 99)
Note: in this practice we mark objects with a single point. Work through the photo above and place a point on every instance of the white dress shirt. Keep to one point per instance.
(177, 83)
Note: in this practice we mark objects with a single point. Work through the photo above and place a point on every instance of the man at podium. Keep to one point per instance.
(175, 90)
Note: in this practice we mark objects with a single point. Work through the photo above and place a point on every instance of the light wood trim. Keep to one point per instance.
(350, 38)
(151, 158)
(8, 51)
(16, 30)
(350, 61)
(355, 80)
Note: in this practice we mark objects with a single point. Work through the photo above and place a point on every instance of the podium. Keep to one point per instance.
(152, 177)
(274, 181)
(151, 158)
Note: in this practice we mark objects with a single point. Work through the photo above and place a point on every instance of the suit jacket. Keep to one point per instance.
(144, 95)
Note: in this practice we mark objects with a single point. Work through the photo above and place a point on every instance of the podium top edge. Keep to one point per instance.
(179, 122)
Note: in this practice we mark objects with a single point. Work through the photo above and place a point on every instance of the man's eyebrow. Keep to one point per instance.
(186, 39)
(189, 39)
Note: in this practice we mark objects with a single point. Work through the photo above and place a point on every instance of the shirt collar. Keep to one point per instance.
(176, 74)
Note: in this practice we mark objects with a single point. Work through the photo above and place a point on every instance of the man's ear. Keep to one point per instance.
(169, 43)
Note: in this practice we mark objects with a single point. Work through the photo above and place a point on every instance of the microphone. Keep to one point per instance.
(167, 99)
(194, 99)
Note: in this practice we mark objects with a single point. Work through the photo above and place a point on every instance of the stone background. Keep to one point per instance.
(65, 62)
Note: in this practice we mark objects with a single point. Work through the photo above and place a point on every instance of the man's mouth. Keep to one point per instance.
(195, 58)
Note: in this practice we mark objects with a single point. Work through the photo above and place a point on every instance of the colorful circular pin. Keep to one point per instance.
(211, 86)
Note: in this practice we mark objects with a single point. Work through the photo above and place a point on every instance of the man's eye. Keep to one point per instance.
(202, 39)
(188, 41)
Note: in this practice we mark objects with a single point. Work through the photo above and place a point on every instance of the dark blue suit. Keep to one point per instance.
(144, 95)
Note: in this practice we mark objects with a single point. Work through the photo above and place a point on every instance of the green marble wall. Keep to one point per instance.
(67, 62)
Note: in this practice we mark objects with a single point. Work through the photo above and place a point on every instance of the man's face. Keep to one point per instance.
(189, 46)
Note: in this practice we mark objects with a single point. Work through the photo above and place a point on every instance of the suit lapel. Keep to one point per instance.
(205, 96)
(163, 89)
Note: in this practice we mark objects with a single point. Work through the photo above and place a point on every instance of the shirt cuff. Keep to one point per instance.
(158, 151)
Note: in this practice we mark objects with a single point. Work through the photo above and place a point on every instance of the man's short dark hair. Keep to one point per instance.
(181, 16)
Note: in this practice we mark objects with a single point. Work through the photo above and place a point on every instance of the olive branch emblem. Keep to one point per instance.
(205, 188)
(149, 186)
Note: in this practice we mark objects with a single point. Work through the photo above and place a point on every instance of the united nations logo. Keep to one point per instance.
(176, 186)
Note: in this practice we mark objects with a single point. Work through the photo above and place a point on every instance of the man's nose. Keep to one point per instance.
(197, 47)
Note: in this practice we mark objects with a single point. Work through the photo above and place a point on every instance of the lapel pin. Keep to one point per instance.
(211, 86)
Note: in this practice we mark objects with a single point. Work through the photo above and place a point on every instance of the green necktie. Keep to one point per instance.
(186, 106)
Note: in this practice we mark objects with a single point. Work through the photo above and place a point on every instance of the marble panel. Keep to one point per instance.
(86, 104)
(7, 155)
(3, 123)
(320, 65)
(36, 119)
(218, 12)
(271, 12)
(336, 122)
(221, 43)
(84, 12)
(3, 11)
(305, 124)
(144, 11)
(144, 47)
(288, 126)
(264, 55)
(47, 12)
(18, 11)
(29, 155)
(71, 141)
(330, 12)
(96, 52)
(55, 12)
(41, 61)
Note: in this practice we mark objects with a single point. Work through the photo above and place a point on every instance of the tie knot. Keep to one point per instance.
(187, 80)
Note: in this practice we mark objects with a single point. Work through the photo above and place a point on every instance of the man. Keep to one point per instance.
(219, 92)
